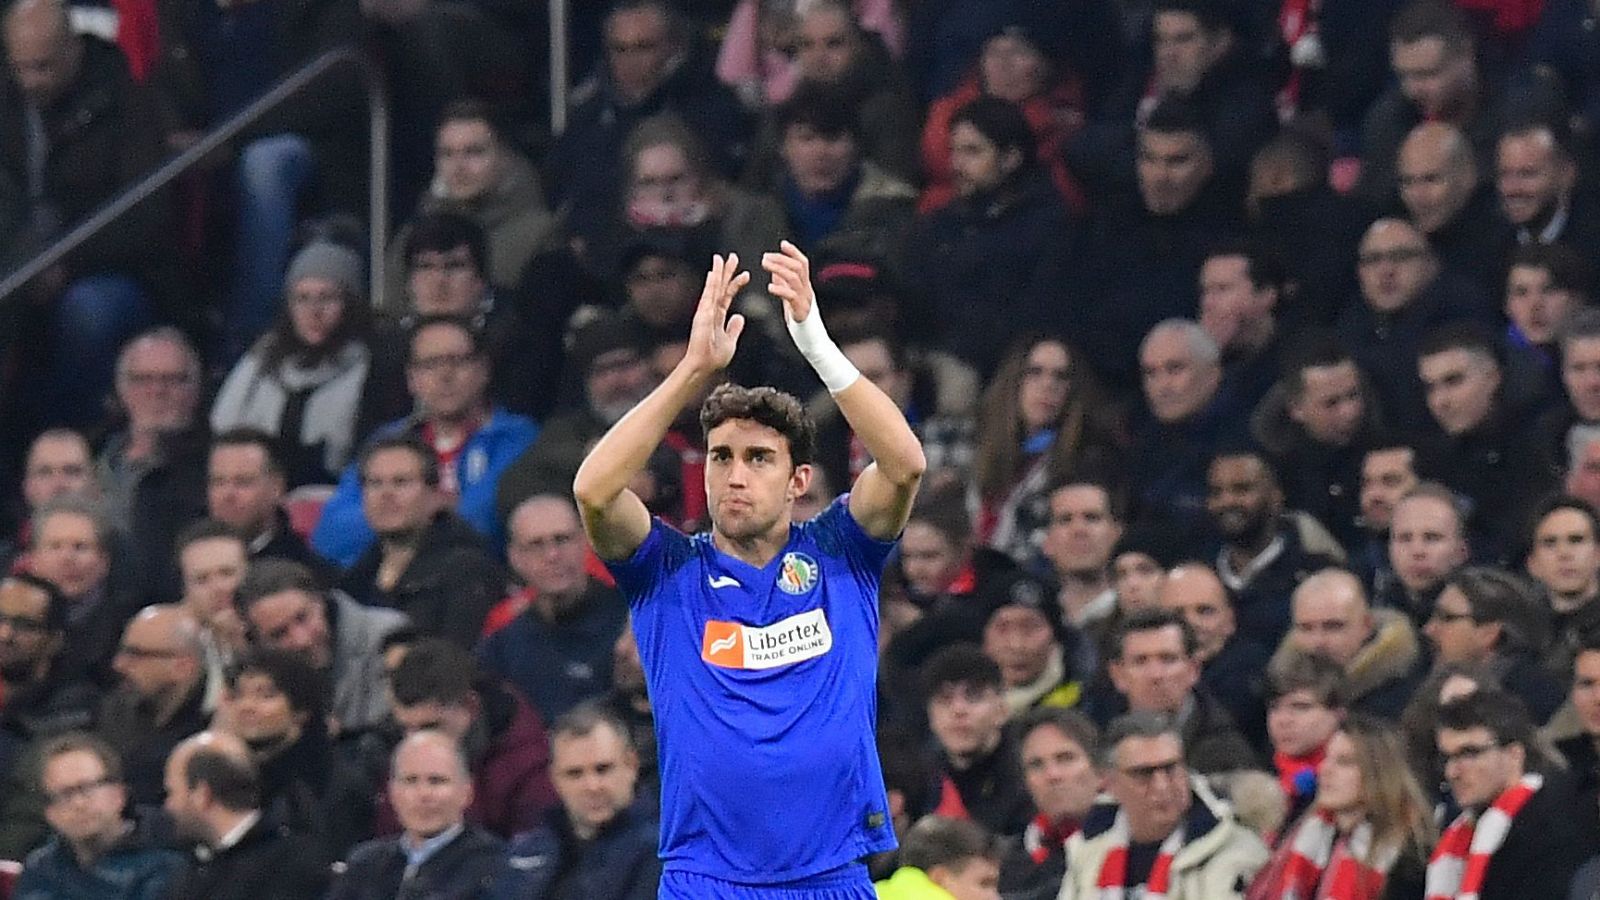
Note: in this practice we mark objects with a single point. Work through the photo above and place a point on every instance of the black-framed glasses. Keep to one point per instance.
(75, 791)
(1145, 774)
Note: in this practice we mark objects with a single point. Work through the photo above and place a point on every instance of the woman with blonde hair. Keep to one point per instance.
(1043, 419)
(1367, 834)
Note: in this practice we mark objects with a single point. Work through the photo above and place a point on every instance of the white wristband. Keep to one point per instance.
(830, 363)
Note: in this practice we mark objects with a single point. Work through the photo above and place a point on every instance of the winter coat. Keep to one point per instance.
(166, 498)
(134, 868)
(448, 587)
(510, 771)
(618, 863)
(558, 665)
(467, 868)
(101, 137)
(1218, 858)
(271, 862)
(1381, 677)
(342, 534)
(999, 257)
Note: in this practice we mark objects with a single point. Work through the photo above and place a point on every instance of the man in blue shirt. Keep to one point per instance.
(759, 639)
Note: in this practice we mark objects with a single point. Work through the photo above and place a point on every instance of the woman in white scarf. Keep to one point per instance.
(305, 380)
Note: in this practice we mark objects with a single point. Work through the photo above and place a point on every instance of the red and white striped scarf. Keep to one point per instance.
(1112, 884)
(1322, 865)
(1456, 870)
(1043, 837)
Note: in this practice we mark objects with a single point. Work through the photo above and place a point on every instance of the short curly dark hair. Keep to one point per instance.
(768, 406)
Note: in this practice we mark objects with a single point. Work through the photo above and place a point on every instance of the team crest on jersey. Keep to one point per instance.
(798, 574)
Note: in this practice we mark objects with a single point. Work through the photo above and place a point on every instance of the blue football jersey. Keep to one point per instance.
(764, 687)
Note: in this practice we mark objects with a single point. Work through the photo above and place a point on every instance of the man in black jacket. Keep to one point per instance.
(75, 129)
(428, 563)
(438, 854)
(978, 762)
(242, 853)
(601, 843)
(1491, 759)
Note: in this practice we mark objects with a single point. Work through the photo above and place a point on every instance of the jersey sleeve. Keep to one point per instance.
(836, 526)
(641, 576)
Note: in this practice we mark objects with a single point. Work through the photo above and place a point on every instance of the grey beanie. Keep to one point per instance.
(324, 259)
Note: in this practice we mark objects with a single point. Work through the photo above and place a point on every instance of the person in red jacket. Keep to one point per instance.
(436, 685)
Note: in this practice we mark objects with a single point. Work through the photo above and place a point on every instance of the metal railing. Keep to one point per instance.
(558, 67)
(283, 91)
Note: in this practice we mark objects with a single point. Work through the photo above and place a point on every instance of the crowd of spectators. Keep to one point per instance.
(1254, 349)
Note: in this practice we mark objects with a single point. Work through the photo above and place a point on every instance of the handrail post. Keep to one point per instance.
(558, 67)
(378, 183)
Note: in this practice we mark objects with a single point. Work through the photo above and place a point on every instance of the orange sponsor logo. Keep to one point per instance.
(723, 645)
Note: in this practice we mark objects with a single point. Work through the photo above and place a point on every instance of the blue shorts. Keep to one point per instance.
(845, 883)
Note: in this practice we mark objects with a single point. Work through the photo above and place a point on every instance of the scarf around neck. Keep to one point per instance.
(1461, 860)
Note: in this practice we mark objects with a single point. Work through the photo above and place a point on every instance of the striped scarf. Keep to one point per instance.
(1319, 864)
(1112, 884)
(1458, 865)
(1043, 837)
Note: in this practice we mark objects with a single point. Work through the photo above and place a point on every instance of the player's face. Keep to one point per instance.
(751, 481)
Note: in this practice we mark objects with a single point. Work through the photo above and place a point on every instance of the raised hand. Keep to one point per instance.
(791, 280)
(715, 335)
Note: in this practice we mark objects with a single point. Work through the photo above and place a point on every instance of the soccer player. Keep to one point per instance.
(759, 639)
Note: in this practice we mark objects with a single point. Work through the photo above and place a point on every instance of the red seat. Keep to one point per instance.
(9, 870)
(304, 506)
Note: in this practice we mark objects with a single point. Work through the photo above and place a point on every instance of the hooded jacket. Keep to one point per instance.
(1385, 671)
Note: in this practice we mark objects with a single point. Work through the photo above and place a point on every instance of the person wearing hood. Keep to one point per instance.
(1378, 649)
(1165, 831)
(427, 562)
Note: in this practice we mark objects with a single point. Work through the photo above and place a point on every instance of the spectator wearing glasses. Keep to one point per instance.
(1405, 293)
(1492, 618)
(40, 697)
(470, 439)
(1521, 831)
(96, 849)
(153, 471)
(1165, 831)
(161, 699)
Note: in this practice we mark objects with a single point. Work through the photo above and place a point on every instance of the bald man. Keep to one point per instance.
(78, 131)
(1378, 649)
(437, 854)
(1442, 190)
(1230, 663)
(213, 795)
(558, 651)
(160, 699)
